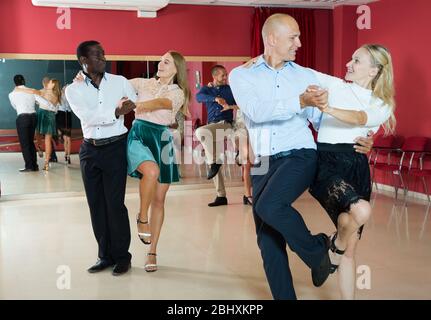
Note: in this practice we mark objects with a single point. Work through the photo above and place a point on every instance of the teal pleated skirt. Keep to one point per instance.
(149, 141)
(46, 122)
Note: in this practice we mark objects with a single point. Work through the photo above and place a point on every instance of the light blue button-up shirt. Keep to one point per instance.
(269, 100)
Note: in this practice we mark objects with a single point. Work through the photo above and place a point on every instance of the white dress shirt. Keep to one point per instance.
(96, 107)
(64, 105)
(22, 102)
(349, 96)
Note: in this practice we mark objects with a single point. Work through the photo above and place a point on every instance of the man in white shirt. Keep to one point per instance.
(24, 104)
(103, 155)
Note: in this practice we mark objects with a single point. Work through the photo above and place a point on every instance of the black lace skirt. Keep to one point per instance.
(342, 178)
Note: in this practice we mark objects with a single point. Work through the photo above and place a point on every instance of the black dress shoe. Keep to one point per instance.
(214, 168)
(25, 170)
(320, 273)
(219, 201)
(121, 268)
(100, 266)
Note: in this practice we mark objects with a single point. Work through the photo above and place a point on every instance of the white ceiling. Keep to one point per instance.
(322, 4)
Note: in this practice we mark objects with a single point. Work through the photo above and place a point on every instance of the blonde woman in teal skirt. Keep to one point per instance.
(150, 151)
(48, 100)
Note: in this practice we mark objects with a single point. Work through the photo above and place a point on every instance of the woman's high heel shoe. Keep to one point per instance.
(335, 250)
(46, 166)
(67, 159)
(39, 152)
(151, 267)
(143, 236)
(247, 200)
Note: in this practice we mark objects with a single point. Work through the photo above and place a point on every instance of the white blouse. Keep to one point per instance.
(349, 96)
(149, 89)
(45, 104)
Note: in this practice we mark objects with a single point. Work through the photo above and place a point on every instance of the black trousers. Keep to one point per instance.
(25, 126)
(104, 172)
(278, 223)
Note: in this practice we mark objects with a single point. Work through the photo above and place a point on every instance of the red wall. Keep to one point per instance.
(344, 35)
(191, 30)
(404, 27)
(324, 45)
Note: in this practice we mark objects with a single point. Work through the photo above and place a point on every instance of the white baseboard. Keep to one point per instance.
(411, 194)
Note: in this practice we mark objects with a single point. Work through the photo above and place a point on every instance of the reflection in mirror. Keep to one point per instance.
(11, 156)
(64, 173)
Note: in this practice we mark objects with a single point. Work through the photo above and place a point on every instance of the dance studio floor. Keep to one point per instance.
(46, 245)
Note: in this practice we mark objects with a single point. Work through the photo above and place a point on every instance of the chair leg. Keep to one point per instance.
(372, 179)
(426, 188)
(395, 187)
(406, 189)
(373, 199)
(407, 223)
(421, 234)
(403, 185)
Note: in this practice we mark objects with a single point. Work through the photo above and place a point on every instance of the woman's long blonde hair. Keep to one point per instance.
(383, 83)
(181, 80)
(56, 91)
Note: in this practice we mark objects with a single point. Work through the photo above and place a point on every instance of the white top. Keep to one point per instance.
(22, 102)
(349, 96)
(45, 104)
(96, 107)
(149, 89)
(64, 105)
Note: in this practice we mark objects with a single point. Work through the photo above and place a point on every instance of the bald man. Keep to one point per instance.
(277, 109)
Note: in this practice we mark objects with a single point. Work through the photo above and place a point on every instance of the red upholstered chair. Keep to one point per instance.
(420, 162)
(385, 157)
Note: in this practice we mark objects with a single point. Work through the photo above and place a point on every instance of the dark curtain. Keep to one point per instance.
(305, 19)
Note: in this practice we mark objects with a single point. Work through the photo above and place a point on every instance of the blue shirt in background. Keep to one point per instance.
(207, 95)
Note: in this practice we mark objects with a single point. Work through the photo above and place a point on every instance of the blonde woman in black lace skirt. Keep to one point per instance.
(342, 184)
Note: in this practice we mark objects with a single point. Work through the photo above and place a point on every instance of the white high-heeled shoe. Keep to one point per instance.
(151, 267)
(143, 235)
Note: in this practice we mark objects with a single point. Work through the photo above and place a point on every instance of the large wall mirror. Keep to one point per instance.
(67, 178)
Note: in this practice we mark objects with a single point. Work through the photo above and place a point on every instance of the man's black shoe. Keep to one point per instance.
(320, 273)
(121, 268)
(214, 168)
(219, 201)
(100, 266)
(25, 170)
